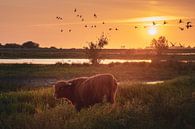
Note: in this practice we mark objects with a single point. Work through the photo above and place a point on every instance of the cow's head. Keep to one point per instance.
(63, 89)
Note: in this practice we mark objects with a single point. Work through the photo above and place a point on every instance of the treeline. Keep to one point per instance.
(28, 44)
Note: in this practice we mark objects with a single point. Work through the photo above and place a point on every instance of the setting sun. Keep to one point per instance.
(152, 31)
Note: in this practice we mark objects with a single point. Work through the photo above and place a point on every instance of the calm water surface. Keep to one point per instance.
(68, 61)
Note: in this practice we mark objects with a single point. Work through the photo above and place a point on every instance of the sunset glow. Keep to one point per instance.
(152, 31)
(36, 20)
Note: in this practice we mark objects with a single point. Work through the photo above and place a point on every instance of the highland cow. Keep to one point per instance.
(87, 91)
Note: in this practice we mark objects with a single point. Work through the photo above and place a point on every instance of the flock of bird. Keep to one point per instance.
(188, 25)
(81, 19)
(184, 26)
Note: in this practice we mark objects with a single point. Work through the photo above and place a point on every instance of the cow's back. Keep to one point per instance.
(96, 88)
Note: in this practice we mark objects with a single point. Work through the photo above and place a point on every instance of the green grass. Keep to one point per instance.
(12, 77)
(170, 105)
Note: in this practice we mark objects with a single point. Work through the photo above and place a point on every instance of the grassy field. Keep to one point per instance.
(170, 105)
(16, 76)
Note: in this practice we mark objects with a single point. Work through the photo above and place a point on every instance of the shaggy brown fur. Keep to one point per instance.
(84, 92)
(65, 89)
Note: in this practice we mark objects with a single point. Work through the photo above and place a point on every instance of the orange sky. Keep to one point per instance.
(23, 20)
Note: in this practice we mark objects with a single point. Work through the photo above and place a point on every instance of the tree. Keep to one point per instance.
(160, 45)
(30, 44)
(12, 45)
(93, 50)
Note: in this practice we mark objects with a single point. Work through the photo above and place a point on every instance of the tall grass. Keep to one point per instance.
(139, 106)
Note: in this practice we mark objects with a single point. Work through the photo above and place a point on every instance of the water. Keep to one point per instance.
(68, 61)
(75, 61)
(181, 54)
(154, 82)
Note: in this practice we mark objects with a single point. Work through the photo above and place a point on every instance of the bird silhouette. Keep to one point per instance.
(61, 30)
(103, 22)
(110, 29)
(153, 23)
(78, 15)
(75, 10)
(69, 30)
(82, 19)
(181, 28)
(172, 44)
(181, 45)
(165, 22)
(95, 16)
(94, 26)
(180, 21)
(116, 29)
(59, 18)
(188, 26)
(145, 26)
(189, 23)
(135, 27)
(85, 26)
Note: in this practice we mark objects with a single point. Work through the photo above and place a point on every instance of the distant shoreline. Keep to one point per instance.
(49, 53)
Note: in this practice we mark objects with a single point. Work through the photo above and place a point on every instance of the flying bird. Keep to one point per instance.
(189, 23)
(153, 23)
(110, 29)
(82, 19)
(75, 10)
(135, 27)
(116, 29)
(172, 44)
(181, 45)
(59, 18)
(61, 30)
(95, 26)
(180, 21)
(103, 22)
(85, 26)
(181, 28)
(165, 22)
(95, 16)
(69, 30)
(188, 26)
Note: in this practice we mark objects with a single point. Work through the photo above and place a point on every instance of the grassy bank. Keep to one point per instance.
(170, 105)
(16, 76)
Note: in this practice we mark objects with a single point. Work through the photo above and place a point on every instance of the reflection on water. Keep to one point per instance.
(108, 61)
(76, 61)
(181, 54)
(154, 82)
(68, 61)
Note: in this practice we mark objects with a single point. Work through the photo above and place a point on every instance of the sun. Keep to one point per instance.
(152, 31)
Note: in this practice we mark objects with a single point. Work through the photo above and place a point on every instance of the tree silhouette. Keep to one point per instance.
(30, 44)
(92, 51)
(12, 45)
(160, 45)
